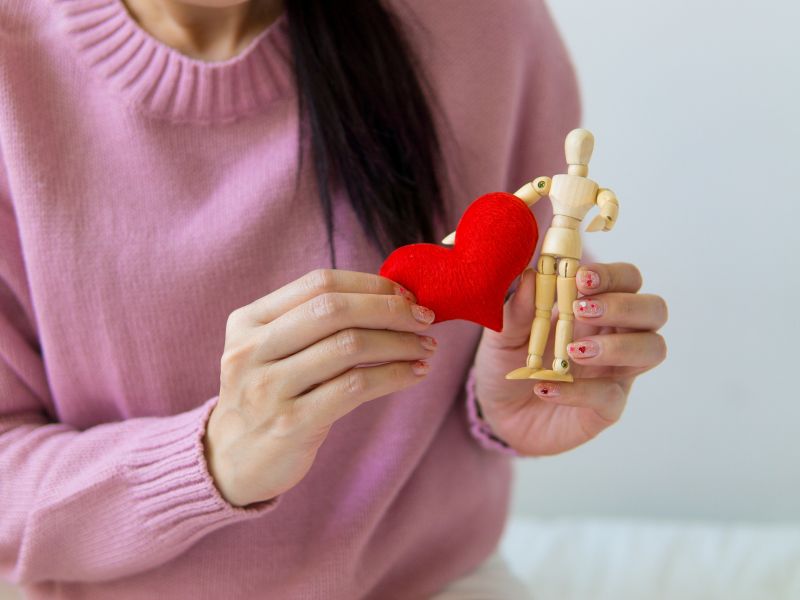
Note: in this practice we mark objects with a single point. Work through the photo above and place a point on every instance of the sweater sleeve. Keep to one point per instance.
(548, 108)
(97, 504)
(478, 427)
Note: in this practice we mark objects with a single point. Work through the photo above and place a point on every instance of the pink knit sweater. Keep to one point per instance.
(144, 195)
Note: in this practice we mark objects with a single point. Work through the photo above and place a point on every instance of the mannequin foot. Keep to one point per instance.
(543, 374)
(534, 361)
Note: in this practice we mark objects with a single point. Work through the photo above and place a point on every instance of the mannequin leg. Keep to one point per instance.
(545, 297)
(544, 300)
(567, 294)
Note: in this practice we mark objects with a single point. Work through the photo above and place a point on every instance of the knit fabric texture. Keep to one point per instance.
(144, 196)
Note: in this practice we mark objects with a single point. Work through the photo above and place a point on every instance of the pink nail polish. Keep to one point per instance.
(422, 314)
(428, 342)
(587, 307)
(583, 349)
(589, 279)
(546, 390)
(420, 367)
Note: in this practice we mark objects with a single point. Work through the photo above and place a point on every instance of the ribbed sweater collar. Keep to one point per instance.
(165, 83)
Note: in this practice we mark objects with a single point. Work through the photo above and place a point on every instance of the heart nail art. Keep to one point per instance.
(583, 349)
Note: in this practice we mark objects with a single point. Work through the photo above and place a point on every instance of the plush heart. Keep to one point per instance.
(495, 241)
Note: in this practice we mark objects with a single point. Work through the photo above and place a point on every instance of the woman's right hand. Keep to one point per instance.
(290, 369)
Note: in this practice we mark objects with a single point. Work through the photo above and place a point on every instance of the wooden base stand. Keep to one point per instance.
(543, 374)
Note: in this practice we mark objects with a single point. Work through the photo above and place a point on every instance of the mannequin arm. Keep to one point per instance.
(530, 193)
(533, 191)
(609, 210)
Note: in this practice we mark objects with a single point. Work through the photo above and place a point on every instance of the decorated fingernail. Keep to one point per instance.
(547, 390)
(587, 307)
(420, 367)
(401, 291)
(427, 342)
(589, 279)
(583, 349)
(422, 314)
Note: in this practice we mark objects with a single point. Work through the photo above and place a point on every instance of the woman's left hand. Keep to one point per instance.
(547, 417)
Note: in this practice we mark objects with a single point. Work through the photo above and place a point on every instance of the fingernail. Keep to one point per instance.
(420, 367)
(584, 349)
(549, 390)
(587, 307)
(428, 342)
(422, 314)
(401, 291)
(588, 279)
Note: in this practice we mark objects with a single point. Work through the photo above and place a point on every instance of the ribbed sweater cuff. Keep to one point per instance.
(478, 427)
(175, 494)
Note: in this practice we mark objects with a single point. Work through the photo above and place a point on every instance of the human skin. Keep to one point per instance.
(541, 418)
(210, 30)
(534, 418)
(297, 360)
(290, 369)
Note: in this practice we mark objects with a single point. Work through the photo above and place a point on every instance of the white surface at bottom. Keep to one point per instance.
(626, 559)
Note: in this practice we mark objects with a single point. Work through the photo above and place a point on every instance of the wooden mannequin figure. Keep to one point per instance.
(572, 196)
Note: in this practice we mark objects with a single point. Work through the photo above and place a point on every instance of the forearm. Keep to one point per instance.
(534, 190)
(609, 207)
(107, 502)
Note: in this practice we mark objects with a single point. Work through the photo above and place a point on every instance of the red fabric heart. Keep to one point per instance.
(495, 241)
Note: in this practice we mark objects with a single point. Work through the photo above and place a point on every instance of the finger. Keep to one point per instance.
(635, 311)
(328, 313)
(344, 350)
(518, 314)
(318, 282)
(640, 349)
(595, 278)
(336, 397)
(604, 396)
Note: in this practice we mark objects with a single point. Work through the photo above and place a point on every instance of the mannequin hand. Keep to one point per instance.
(546, 417)
(600, 223)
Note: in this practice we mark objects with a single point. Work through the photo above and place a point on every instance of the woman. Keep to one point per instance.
(195, 198)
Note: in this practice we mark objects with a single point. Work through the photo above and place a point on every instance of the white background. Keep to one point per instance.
(695, 107)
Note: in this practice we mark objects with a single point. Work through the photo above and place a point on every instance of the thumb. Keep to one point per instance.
(518, 312)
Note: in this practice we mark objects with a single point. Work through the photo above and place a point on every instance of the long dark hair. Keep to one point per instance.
(367, 113)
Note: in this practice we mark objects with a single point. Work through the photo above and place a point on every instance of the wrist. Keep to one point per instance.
(214, 460)
(486, 427)
(480, 427)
